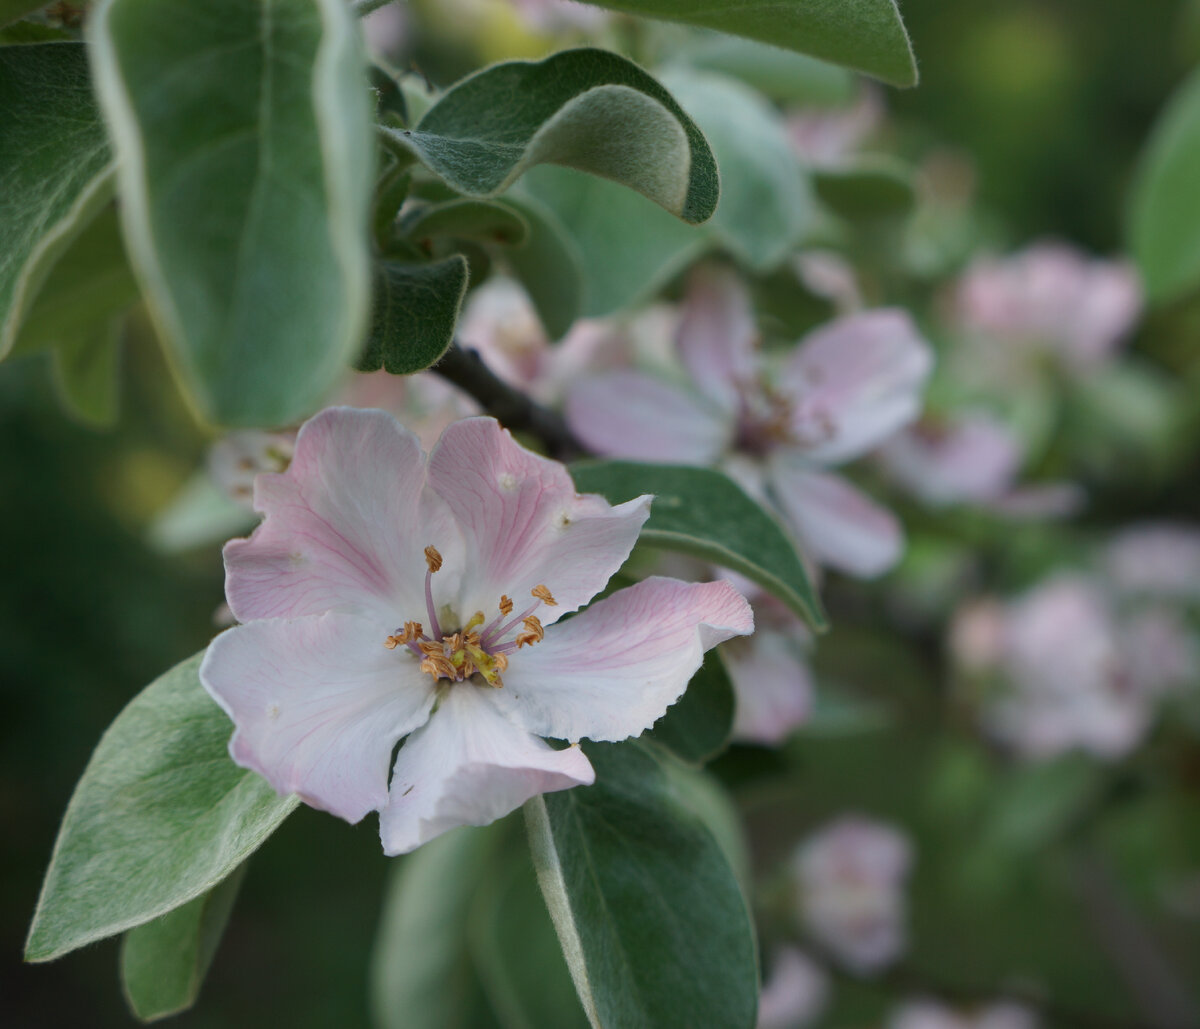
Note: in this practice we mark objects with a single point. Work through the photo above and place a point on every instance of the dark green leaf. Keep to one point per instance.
(244, 133)
(15, 10)
(867, 191)
(164, 961)
(587, 109)
(866, 35)
(702, 512)
(416, 309)
(55, 168)
(160, 816)
(480, 220)
(1165, 215)
(420, 970)
(648, 911)
(550, 267)
(1038, 801)
(697, 727)
(87, 372)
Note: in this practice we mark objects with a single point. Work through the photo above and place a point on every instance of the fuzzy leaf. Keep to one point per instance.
(697, 727)
(866, 35)
(703, 512)
(160, 816)
(1165, 216)
(481, 220)
(164, 961)
(782, 75)
(416, 309)
(867, 191)
(647, 908)
(246, 159)
(549, 265)
(588, 109)
(55, 168)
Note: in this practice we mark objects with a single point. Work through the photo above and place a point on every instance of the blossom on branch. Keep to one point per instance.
(388, 594)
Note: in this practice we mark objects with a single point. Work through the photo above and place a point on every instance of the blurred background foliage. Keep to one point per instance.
(1027, 878)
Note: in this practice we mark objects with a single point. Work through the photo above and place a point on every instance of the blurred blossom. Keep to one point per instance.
(828, 274)
(1051, 296)
(851, 878)
(977, 635)
(1160, 651)
(385, 30)
(794, 992)
(928, 1014)
(826, 137)
(1158, 559)
(844, 390)
(236, 458)
(559, 16)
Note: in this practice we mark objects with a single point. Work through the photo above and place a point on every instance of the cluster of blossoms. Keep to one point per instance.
(1084, 660)
(377, 602)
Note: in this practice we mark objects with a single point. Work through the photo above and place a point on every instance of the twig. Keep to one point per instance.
(512, 408)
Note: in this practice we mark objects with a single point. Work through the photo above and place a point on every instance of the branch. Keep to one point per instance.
(509, 406)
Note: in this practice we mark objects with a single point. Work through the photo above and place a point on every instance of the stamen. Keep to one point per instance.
(506, 604)
(534, 633)
(544, 595)
(392, 642)
(433, 559)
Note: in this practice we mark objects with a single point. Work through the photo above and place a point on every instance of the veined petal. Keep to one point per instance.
(717, 334)
(341, 525)
(522, 523)
(772, 684)
(838, 524)
(469, 765)
(612, 671)
(630, 415)
(855, 382)
(318, 703)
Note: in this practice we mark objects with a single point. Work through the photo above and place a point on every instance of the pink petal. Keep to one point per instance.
(717, 334)
(524, 525)
(341, 525)
(318, 704)
(613, 671)
(772, 684)
(630, 415)
(469, 766)
(973, 458)
(838, 524)
(855, 382)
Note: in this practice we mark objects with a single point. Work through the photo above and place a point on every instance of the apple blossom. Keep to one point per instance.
(847, 387)
(387, 595)
(927, 1014)
(850, 879)
(794, 993)
(1157, 559)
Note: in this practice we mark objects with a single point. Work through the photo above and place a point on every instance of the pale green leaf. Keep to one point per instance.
(867, 191)
(648, 911)
(587, 109)
(164, 961)
(704, 513)
(866, 35)
(1165, 215)
(200, 514)
(481, 220)
(160, 816)
(549, 265)
(246, 163)
(87, 374)
(55, 168)
(415, 310)
(782, 75)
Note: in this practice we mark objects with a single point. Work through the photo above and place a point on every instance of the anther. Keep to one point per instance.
(506, 604)
(544, 595)
(433, 559)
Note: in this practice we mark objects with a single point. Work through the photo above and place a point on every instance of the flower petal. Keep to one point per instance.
(469, 766)
(340, 526)
(838, 524)
(772, 684)
(318, 704)
(630, 415)
(855, 382)
(613, 671)
(717, 334)
(523, 524)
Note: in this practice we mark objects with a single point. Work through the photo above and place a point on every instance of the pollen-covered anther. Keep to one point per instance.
(432, 558)
(506, 604)
(392, 642)
(544, 595)
(534, 633)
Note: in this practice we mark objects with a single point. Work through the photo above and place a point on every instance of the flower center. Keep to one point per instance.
(475, 648)
(764, 418)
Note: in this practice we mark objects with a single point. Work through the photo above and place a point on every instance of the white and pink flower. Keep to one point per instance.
(794, 992)
(929, 1014)
(846, 389)
(391, 595)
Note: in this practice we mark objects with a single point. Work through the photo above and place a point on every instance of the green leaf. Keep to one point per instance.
(648, 911)
(629, 247)
(246, 162)
(1038, 801)
(866, 35)
(55, 168)
(549, 265)
(87, 373)
(416, 309)
(697, 727)
(420, 974)
(481, 220)
(765, 204)
(588, 109)
(164, 961)
(200, 513)
(781, 75)
(160, 816)
(1164, 226)
(867, 191)
(15, 10)
(702, 512)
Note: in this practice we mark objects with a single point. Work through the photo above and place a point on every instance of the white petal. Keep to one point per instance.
(717, 334)
(469, 765)
(772, 684)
